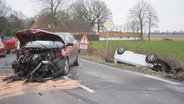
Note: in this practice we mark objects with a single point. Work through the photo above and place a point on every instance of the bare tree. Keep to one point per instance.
(10, 20)
(16, 20)
(50, 6)
(4, 9)
(95, 12)
(55, 10)
(4, 25)
(138, 12)
(141, 15)
(152, 19)
(102, 14)
(133, 26)
(4, 12)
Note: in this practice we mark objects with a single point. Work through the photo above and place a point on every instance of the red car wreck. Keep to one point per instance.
(44, 55)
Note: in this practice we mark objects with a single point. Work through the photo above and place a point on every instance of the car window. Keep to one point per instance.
(7, 37)
(67, 37)
(71, 38)
(63, 37)
(59, 44)
(0, 40)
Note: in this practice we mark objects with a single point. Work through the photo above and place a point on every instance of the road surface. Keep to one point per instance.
(91, 83)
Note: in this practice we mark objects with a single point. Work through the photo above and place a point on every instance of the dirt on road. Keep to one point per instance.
(20, 87)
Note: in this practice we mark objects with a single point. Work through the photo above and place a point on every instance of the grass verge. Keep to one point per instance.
(96, 53)
(170, 51)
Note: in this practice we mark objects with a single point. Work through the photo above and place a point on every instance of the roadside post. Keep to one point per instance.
(109, 26)
(84, 42)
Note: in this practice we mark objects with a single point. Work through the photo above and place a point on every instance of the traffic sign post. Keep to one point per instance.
(109, 26)
(84, 42)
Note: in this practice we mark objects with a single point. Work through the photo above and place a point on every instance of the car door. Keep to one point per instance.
(72, 50)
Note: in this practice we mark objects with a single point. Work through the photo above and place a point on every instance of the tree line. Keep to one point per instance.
(83, 13)
(11, 21)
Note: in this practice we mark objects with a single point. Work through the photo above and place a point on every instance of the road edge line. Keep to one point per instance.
(82, 86)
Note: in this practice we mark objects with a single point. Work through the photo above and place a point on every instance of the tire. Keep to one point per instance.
(121, 50)
(151, 58)
(7, 51)
(77, 62)
(3, 55)
(66, 67)
(164, 66)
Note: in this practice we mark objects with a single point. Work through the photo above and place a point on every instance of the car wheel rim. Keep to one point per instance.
(151, 58)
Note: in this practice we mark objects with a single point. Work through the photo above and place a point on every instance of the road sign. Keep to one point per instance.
(83, 46)
(84, 40)
(109, 25)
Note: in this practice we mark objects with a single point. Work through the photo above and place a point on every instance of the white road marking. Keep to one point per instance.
(87, 89)
(151, 76)
(161, 79)
(82, 86)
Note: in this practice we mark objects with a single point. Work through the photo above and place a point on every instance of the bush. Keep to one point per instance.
(171, 60)
(91, 51)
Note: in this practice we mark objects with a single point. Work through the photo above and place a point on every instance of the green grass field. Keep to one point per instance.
(162, 48)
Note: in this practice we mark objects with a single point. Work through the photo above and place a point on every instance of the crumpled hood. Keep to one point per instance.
(28, 35)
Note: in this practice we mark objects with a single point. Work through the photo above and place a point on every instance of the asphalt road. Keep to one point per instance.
(98, 84)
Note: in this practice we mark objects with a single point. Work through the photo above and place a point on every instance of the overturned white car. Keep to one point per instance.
(151, 60)
(122, 55)
(128, 57)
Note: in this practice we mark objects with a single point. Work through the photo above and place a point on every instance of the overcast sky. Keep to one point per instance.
(170, 12)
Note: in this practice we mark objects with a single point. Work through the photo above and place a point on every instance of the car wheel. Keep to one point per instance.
(7, 51)
(3, 55)
(151, 58)
(77, 62)
(66, 67)
(121, 50)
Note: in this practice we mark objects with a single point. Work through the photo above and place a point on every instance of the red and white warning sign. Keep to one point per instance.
(84, 42)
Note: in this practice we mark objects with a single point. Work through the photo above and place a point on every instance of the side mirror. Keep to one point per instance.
(70, 44)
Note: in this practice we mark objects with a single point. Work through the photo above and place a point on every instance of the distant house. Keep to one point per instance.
(46, 22)
(165, 36)
(118, 36)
